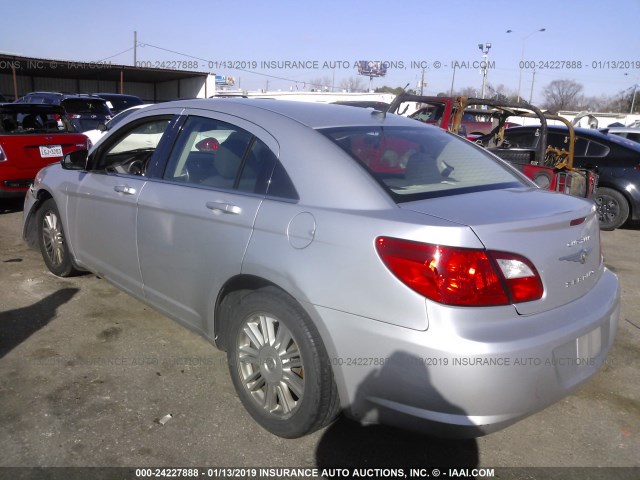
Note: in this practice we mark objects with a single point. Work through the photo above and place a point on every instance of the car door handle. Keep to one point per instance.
(224, 207)
(125, 189)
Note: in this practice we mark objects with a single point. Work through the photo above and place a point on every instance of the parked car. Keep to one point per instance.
(85, 111)
(447, 294)
(616, 159)
(97, 133)
(629, 133)
(383, 106)
(32, 136)
(119, 102)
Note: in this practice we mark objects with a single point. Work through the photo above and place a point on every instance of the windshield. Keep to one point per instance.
(16, 121)
(415, 163)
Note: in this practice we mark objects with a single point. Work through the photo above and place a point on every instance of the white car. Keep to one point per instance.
(630, 133)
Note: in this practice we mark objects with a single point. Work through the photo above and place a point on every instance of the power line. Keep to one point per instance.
(107, 58)
(233, 68)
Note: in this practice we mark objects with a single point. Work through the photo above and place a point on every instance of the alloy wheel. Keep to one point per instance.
(270, 365)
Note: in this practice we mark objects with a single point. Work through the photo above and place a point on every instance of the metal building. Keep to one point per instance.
(20, 75)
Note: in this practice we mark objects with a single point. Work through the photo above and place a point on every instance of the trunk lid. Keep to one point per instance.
(25, 152)
(558, 233)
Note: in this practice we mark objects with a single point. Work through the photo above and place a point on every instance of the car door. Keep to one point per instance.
(102, 207)
(194, 224)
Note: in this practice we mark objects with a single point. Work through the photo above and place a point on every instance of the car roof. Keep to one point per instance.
(313, 115)
(115, 95)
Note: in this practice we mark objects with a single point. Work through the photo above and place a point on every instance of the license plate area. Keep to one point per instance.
(50, 151)
(578, 358)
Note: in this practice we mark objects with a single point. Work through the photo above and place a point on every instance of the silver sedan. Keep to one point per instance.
(347, 260)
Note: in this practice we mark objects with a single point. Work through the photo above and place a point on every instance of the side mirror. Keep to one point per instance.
(102, 127)
(75, 160)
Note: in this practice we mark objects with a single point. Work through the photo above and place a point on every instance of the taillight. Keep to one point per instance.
(3, 157)
(521, 277)
(461, 276)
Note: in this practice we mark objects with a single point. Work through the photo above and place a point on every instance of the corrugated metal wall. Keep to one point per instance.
(149, 92)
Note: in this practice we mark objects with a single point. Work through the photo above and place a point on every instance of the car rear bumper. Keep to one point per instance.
(455, 381)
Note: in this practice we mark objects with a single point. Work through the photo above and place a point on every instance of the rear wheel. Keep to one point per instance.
(52, 241)
(613, 208)
(279, 365)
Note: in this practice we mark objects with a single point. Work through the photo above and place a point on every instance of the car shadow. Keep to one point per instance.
(11, 205)
(19, 324)
(348, 444)
(631, 225)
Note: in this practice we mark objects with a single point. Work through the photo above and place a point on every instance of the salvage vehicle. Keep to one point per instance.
(336, 276)
(32, 136)
(549, 168)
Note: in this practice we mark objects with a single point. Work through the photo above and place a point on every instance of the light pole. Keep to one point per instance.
(522, 54)
(484, 48)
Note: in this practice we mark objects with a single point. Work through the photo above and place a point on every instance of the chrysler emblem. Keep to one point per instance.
(580, 257)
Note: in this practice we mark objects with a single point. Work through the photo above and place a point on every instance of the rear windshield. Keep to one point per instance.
(18, 123)
(416, 163)
(81, 105)
(117, 104)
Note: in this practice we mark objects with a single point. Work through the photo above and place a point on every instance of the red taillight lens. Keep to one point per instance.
(521, 277)
(460, 276)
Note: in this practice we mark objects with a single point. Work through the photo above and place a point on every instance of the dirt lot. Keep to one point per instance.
(86, 372)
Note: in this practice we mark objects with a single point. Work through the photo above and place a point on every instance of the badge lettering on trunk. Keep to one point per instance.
(580, 257)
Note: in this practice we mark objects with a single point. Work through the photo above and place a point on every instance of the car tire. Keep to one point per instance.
(279, 365)
(53, 242)
(613, 208)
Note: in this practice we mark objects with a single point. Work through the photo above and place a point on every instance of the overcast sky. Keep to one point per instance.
(596, 43)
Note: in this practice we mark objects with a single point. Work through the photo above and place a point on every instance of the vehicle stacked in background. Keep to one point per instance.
(31, 137)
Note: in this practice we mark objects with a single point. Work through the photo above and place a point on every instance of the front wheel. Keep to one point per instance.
(279, 365)
(613, 208)
(52, 241)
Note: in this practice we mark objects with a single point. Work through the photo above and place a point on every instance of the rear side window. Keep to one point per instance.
(415, 163)
(596, 149)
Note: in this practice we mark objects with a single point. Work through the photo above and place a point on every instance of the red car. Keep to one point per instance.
(31, 137)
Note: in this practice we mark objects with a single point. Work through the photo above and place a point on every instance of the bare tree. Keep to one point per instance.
(352, 84)
(320, 84)
(562, 95)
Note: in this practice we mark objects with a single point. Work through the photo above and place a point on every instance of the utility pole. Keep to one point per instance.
(532, 82)
(452, 80)
(422, 83)
(135, 48)
(524, 39)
